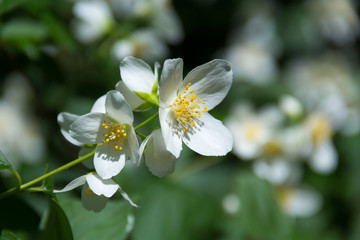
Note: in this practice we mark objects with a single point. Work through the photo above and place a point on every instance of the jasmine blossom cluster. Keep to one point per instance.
(183, 109)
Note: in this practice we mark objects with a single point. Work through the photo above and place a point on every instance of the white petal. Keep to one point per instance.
(137, 75)
(99, 105)
(73, 184)
(65, 120)
(211, 81)
(171, 133)
(108, 162)
(159, 161)
(209, 137)
(324, 159)
(126, 197)
(91, 201)
(131, 98)
(171, 78)
(87, 128)
(117, 107)
(89, 162)
(143, 144)
(99, 186)
(132, 145)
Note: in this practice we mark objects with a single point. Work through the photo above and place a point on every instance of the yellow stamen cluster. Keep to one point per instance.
(187, 107)
(89, 192)
(116, 133)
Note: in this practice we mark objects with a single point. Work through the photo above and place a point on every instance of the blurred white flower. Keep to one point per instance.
(93, 20)
(323, 158)
(254, 48)
(21, 139)
(161, 16)
(300, 201)
(184, 106)
(277, 171)
(291, 106)
(337, 19)
(144, 44)
(96, 191)
(325, 85)
(252, 130)
(231, 203)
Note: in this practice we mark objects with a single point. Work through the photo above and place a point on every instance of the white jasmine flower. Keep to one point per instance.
(114, 133)
(184, 106)
(96, 191)
(159, 160)
(140, 79)
(66, 119)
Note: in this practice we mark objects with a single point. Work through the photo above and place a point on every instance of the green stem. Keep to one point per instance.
(141, 135)
(17, 176)
(36, 180)
(146, 121)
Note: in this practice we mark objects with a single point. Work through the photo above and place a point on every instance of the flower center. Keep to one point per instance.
(89, 193)
(116, 133)
(320, 129)
(252, 131)
(187, 107)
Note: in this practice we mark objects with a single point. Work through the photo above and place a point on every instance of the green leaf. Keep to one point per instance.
(56, 226)
(110, 223)
(8, 235)
(8, 5)
(4, 163)
(152, 99)
(144, 106)
(48, 184)
(155, 88)
(259, 214)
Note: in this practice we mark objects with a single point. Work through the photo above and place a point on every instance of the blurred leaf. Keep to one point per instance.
(23, 30)
(8, 235)
(110, 223)
(57, 225)
(170, 212)
(259, 213)
(4, 163)
(58, 31)
(8, 5)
